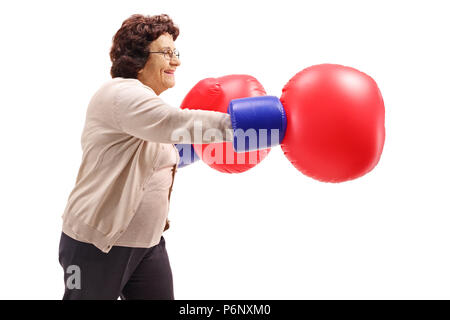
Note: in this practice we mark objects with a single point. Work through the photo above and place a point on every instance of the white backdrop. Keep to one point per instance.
(268, 233)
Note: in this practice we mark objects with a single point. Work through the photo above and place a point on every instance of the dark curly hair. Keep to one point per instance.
(130, 48)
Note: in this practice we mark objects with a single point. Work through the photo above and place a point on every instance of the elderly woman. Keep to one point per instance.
(111, 243)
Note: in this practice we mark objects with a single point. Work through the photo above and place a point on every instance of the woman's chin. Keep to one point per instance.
(170, 84)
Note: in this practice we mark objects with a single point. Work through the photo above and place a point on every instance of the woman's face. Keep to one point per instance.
(159, 72)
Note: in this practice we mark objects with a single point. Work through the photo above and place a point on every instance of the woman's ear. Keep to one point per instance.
(139, 74)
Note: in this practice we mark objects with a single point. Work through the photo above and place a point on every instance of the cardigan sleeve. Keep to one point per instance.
(139, 112)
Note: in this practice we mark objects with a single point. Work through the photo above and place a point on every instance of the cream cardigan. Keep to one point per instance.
(126, 126)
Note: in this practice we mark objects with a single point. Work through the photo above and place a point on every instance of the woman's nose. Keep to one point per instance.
(175, 61)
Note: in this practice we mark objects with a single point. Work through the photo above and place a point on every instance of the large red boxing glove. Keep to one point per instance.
(215, 94)
(335, 130)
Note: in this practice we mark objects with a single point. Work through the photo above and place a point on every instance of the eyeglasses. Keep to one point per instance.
(168, 54)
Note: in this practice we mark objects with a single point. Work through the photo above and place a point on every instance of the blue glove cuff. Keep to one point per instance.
(258, 122)
(187, 154)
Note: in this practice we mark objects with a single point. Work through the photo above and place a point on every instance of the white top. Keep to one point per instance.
(148, 223)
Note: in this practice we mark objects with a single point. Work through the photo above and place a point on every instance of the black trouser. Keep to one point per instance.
(131, 273)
